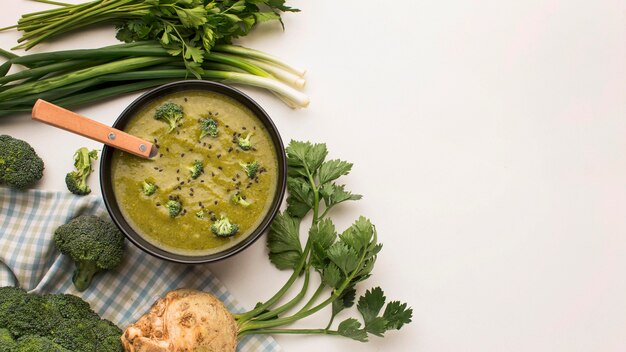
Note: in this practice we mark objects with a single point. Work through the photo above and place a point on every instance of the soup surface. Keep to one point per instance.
(223, 189)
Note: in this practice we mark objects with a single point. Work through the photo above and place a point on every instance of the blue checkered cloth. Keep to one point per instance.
(27, 223)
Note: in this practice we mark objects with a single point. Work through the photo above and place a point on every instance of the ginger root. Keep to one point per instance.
(184, 320)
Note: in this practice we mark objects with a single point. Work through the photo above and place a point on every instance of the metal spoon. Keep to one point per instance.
(57, 116)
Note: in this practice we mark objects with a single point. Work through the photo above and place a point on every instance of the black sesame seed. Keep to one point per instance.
(215, 202)
(227, 190)
(156, 168)
(201, 181)
(234, 179)
(244, 128)
(182, 182)
(167, 149)
(191, 189)
(182, 155)
(219, 167)
(160, 155)
(158, 204)
(230, 149)
(177, 170)
(219, 156)
(185, 99)
(210, 146)
(212, 174)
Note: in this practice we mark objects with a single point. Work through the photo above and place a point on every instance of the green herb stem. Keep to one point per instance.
(295, 300)
(247, 52)
(289, 331)
(59, 81)
(245, 317)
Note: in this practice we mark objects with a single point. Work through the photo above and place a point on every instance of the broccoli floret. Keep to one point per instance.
(250, 168)
(208, 127)
(223, 227)
(237, 198)
(196, 169)
(76, 180)
(170, 113)
(36, 343)
(7, 343)
(20, 166)
(93, 243)
(174, 207)
(20, 313)
(244, 143)
(53, 322)
(148, 188)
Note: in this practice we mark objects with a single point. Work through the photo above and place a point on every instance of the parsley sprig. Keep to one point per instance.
(342, 260)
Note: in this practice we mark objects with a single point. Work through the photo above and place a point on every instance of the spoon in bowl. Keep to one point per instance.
(57, 116)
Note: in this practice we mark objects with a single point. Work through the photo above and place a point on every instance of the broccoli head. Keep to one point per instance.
(174, 207)
(244, 143)
(93, 243)
(53, 323)
(196, 169)
(171, 113)
(237, 198)
(148, 188)
(20, 166)
(250, 168)
(34, 343)
(76, 181)
(208, 127)
(223, 227)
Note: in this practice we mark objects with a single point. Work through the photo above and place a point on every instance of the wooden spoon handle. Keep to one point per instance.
(70, 121)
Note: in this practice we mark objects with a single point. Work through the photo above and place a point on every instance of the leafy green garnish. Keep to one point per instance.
(342, 260)
(190, 28)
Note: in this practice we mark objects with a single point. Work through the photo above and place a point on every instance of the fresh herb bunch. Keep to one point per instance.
(342, 260)
(70, 78)
(187, 28)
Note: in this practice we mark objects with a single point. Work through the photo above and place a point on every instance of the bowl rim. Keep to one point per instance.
(126, 115)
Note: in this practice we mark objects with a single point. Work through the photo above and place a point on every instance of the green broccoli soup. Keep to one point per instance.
(212, 181)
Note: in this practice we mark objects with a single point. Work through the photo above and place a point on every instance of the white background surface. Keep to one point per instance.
(489, 141)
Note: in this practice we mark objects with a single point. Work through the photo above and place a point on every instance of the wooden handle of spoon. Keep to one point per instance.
(70, 121)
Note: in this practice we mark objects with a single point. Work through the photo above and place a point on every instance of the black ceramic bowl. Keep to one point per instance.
(131, 111)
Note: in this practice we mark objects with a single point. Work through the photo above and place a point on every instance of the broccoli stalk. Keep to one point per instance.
(196, 169)
(250, 169)
(171, 113)
(223, 227)
(208, 127)
(244, 143)
(93, 243)
(76, 180)
(20, 166)
(148, 188)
